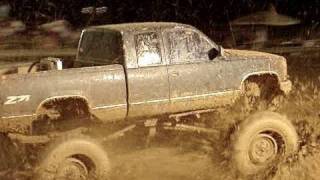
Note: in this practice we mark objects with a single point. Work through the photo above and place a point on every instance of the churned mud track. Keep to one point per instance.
(171, 164)
(163, 163)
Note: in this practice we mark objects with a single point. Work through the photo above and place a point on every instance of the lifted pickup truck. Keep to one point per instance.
(142, 71)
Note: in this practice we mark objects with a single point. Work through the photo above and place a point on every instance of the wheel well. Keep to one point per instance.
(61, 114)
(65, 107)
(268, 83)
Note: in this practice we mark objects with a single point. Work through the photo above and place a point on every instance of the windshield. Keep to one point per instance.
(100, 48)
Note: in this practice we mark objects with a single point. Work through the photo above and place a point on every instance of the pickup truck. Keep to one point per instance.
(142, 71)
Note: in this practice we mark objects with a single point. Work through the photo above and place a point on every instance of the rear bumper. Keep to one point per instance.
(286, 86)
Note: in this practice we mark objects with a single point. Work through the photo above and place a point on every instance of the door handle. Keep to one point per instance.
(175, 73)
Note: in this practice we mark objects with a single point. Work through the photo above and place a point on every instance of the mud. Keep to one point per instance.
(163, 163)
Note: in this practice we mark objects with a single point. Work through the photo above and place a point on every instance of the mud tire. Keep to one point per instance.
(76, 152)
(266, 132)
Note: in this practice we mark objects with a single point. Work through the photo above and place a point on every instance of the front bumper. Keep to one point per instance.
(286, 86)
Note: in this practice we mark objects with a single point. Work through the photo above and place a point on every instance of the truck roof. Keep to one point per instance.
(139, 25)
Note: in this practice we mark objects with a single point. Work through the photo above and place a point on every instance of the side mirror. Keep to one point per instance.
(215, 52)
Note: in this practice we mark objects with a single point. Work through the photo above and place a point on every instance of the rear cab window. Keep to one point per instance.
(100, 47)
(148, 49)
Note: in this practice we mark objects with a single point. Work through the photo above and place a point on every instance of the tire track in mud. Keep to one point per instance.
(168, 163)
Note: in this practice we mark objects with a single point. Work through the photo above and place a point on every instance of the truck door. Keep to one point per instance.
(194, 79)
(148, 85)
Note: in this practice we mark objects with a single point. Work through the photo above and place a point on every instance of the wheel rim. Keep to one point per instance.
(263, 149)
(72, 168)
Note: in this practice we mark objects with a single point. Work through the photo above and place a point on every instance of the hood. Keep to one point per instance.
(246, 55)
(273, 62)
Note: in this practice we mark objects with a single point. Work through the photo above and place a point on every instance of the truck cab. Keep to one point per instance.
(172, 67)
(166, 64)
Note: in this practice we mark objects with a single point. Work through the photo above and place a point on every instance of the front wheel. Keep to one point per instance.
(78, 159)
(262, 140)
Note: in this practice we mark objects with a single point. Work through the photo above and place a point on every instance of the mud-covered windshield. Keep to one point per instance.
(100, 48)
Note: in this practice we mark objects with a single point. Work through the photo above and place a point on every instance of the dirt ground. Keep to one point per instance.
(171, 164)
(189, 157)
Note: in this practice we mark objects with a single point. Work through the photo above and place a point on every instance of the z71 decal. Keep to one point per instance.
(17, 99)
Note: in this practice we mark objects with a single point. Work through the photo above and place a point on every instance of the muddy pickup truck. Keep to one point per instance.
(157, 73)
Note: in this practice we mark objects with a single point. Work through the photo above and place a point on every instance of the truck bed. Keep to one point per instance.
(104, 88)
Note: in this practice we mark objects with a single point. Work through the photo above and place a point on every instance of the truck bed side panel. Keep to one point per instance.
(103, 87)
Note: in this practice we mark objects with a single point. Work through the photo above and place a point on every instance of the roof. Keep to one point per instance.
(139, 25)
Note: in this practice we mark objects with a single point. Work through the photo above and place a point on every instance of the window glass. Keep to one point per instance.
(205, 45)
(101, 48)
(148, 49)
(187, 46)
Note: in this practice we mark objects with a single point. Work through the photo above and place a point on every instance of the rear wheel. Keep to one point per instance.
(261, 141)
(77, 158)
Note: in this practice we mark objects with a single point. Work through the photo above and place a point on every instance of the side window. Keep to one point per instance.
(148, 49)
(186, 46)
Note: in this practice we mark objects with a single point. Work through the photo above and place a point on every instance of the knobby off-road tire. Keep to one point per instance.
(74, 159)
(261, 141)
